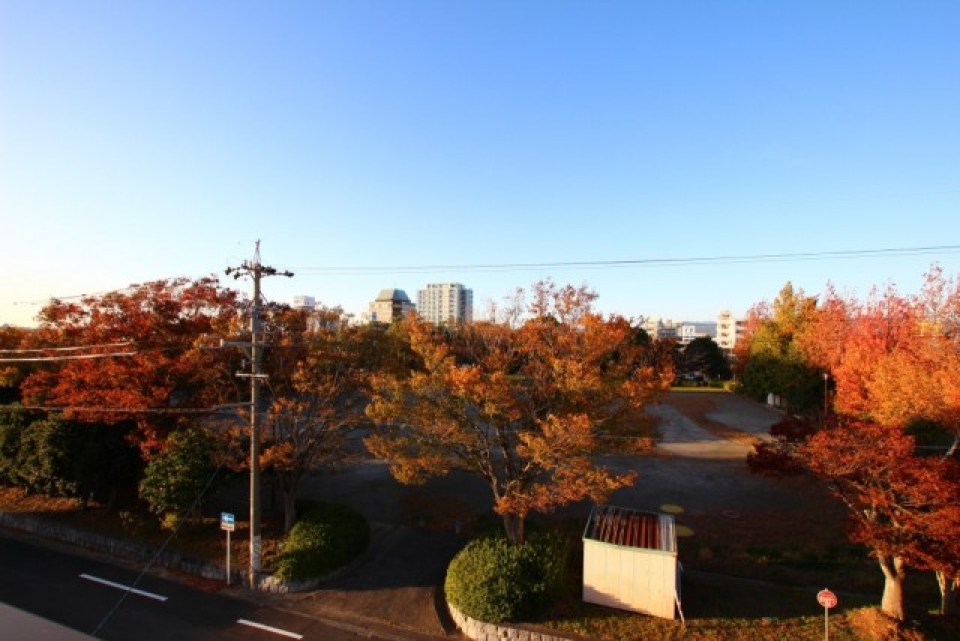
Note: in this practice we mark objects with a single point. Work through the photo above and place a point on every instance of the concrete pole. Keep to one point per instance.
(255, 353)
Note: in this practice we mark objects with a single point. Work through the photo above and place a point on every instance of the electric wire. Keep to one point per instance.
(586, 264)
(64, 349)
(159, 552)
(76, 357)
(639, 262)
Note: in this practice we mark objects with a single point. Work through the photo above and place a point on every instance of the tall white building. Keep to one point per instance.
(445, 303)
(729, 329)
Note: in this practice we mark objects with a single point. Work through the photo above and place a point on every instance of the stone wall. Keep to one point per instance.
(145, 553)
(480, 631)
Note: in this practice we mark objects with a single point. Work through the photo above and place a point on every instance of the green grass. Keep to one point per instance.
(759, 590)
(691, 389)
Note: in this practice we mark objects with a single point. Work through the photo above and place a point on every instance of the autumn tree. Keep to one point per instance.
(521, 406)
(770, 359)
(317, 383)
(891, 361)
(902, 507)
(901, 358)
(143, 359)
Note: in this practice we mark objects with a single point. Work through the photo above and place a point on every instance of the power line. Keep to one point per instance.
(640, 262)
(64, 349)
(76, 357)
(116, 410)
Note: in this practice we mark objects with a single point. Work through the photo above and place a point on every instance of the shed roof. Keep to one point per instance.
(632, 528)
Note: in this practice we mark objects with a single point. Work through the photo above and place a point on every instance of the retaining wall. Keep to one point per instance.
(144, 553)
(480, 631)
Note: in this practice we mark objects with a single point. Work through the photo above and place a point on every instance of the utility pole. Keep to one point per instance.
(256, 271)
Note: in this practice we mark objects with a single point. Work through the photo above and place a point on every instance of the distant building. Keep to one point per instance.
(304, 302)
(445, 303)
(658, 328)
(390, 305)
(690, 330)
(729, 330)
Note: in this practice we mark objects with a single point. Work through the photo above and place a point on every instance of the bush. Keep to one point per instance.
(175, 479)
(774, 459)
(325, 538)
(492, 581)
(780, 456)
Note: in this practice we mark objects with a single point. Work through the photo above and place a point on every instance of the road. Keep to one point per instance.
(93, 597)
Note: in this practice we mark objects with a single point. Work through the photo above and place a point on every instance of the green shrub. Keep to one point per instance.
(325, 538)
(492, 581)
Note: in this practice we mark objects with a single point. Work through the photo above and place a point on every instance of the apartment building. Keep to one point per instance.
(442, 303)
(729, 330)
(688, 331)
(658, 328)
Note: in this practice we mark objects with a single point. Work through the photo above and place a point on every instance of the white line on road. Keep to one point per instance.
(260, 626)
(120, 586)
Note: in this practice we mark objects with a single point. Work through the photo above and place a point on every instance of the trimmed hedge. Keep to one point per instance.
(495, 582)
(325, 538)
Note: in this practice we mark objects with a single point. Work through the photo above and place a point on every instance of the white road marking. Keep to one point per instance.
(260, 626)
(120, 586)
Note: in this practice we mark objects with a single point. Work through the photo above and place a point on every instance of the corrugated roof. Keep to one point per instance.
(632, 528)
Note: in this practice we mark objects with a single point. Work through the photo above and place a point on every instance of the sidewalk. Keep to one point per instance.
(394, 590)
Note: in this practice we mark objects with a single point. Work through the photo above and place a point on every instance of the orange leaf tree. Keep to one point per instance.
(895, 360)
(162, 324)
(317, 385)
(902, 358)
(902, 506)
(521, 406)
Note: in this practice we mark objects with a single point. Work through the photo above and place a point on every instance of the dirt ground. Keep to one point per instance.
(698, 472)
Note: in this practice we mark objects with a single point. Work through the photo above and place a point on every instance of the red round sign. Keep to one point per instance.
(826, 598)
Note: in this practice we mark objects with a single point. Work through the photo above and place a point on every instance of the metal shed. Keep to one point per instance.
(630, 561)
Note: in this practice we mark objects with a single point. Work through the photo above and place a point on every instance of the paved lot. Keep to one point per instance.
(415, 529)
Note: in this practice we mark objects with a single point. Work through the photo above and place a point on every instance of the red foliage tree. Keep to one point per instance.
(166, 374)
(902, 506)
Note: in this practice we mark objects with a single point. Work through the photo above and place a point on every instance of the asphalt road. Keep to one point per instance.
(95, 598)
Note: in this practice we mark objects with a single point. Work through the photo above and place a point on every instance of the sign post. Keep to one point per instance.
(828, 600)
(227, 524)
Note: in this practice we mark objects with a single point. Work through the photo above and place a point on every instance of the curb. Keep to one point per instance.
(480, 631)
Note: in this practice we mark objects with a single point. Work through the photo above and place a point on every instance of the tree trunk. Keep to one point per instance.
(894, 573)
(948, 593)
(953, 446)
(289, 508)
(514, 525)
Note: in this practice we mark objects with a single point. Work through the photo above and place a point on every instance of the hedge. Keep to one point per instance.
(493, 581)
(325, 538)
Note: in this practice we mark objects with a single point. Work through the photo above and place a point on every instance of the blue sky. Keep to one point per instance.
(152, 139)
